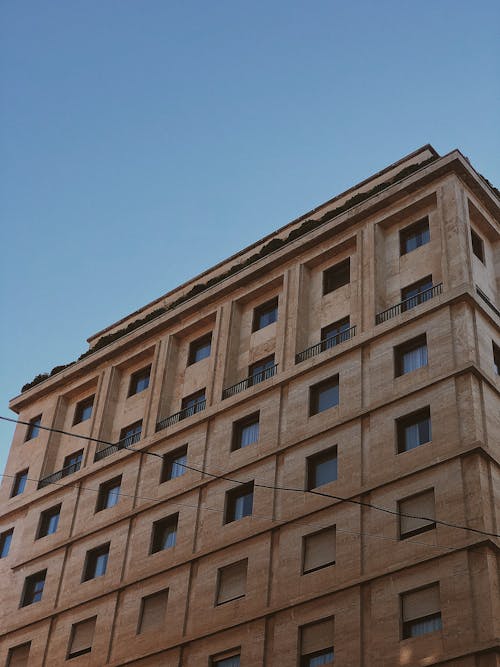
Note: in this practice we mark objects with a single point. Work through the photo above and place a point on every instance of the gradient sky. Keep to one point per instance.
(142, 141)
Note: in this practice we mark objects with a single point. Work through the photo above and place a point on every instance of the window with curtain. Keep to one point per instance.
(421, 610)
(245, 431)
(411, 355)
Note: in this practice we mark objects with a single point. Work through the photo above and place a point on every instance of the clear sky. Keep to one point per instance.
(142, 141)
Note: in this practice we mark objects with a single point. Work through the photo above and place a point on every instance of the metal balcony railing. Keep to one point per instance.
(56, 476)
(182, 414)
(251, 380)
(122, 444)
(325, 344)
(487, 300)
(408, 304)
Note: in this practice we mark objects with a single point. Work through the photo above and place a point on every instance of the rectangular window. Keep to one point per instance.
(19, 484)
(33, 428)
(96, 562)
(139, 381)
(261, 370)
(109, 493)
(239, 502)
(416, 293)
(233, 661)
(337, 276)
(414, 430)
(318, 550)
(200, 349)
(411, 355)
(193, 403)
(414, 236)
(324, 395)
(83, 410)
(49, 520)
(164, 535)
(420, 505)
(131, 434)
(477, 245)
(265, 314)
(153, 612)
(421, 611)
(335, 333)
(33, 588)
(72, 462)
(174, 464)
(496, 358)
(5, 542)
(245, 432)
(316, 644)
(322, 468)
(18, 656)
(232, 582)
(81, 638)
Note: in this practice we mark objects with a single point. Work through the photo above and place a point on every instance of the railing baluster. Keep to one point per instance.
(408, 304)
(325, 344)
(182, 414)
(249, 381)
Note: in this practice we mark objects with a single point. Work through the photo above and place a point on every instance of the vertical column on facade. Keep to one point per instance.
(99, 413)
(53, 417)
(155, 387)
(227, 349)
(162, 388)
(285, 304)
(371, 275)
(219, 343)
(292, 305)
(108, 397)
(356, 297)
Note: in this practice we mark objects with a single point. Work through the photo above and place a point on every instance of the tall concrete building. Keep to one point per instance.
(289, 461)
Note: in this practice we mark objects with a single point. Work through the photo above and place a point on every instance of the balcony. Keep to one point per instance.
(250, 381)
(325, 344)
(182, 414)
(408, 304)
(122, 444)
(487, 300)
(56, 476)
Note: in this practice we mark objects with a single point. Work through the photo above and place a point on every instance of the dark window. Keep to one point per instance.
(164, 533)
(337, 276)
(414, 236)
(420, 505)
(239, 502)
(477, 245)
(496, 359)
(130, 434)
(109, 493)
(19, 483)
(322, 657)
(319, 550)
(421, 611)
(193, 403)
(18, 656)
(33, 428)
(5, 541)
(96, 562)
(335, 333)
(174, 464)
(316, 644)
(411, 355)
(414, 430)
(261, 370)
(83, 410)
(153, 611)
(232, 582)
(200, 349)
(245, 432)
(81, 638)
(416, 293)
(73, 462)
(322, 468)
(139, 381)
(265, 314)
(233, 661)
(33, 588)
(324, 395)
(49, 520)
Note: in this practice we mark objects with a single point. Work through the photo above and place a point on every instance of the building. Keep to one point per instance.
(315, 426)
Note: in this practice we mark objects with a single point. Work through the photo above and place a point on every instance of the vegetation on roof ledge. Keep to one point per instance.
(267, 248)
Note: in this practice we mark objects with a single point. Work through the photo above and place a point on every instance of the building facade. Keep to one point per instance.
(289, 461)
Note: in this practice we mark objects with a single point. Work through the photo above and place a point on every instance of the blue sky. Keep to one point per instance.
(142, 141)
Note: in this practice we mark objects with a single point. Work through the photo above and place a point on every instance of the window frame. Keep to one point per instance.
(74, 455)
(327, 341)
(105, 489)
(304, 549)
(75, 654)
(19, 483)
(197, 345)
(477, 243)
(30, 588)
(496, 358)
(334, 277)
(315, 391)
(170, 460)
(44, 521)
(317, 458)
(422, 529)
(231, 498)
(405, 307)
(198, 397)
(238, 428)
(136, 377)
(91, 558)
(33, 428)
(409, 346)
(159, 529)
(410, 419)
(10, 652)
(265, 364)
(128, 433)
(404, 634)
(220, 574)
(80, 409)
(6, 535)
(162, 592)
(414, 229)
(269, 307)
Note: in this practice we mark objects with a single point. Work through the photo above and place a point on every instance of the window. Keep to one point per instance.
(109, 494)
(411, 355)
(130, 434)
(416, 293)
(261, 370)
(337, 276)
(33, 428)
(318, 550)
(496, 358)
(324, 395)
(233, 661)
(153, 612)
(96, 562)
(232, 582)
(18, 655)
(322, 468)
(81, 638)
(73, 462)
(239, 502)
(477, 245)
(33, 588)
(194, 403)
(265, 314)
(420, 505)
(49, 520)
(174, 464)
(335, 333)
(139, 381)
(200, 349)
(83, 410)
(414, 236)
(5, 541)
(245, 432)
(421, 611)
(414, 430)
(316, 644)
(19, 483)
(164, 533)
